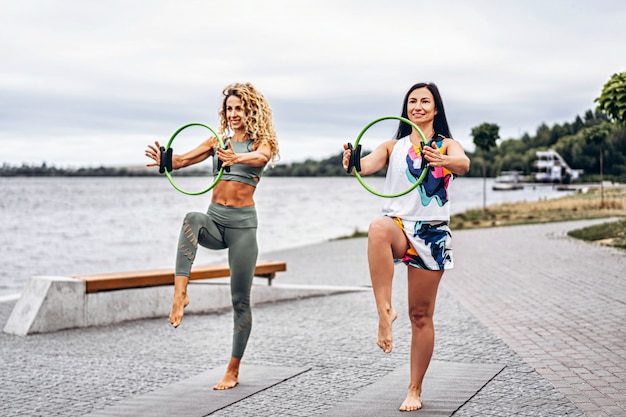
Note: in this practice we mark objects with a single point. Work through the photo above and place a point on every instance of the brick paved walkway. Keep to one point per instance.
(558, 302)
(547, 308)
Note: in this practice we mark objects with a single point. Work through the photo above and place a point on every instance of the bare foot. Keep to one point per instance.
(178, 309)
(229, 380)
(385, 320)
(413, 400)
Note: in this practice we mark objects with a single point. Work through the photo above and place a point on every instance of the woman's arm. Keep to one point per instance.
(373, 162)
(451, 156)
(199, 154)
(258, 157)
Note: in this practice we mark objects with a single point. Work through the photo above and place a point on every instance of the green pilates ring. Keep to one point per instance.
(219, 174)
(424, 171)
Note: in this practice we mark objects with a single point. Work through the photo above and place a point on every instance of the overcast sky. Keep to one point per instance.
(89, 83)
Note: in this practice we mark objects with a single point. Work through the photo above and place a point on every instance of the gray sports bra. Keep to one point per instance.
(240, 172)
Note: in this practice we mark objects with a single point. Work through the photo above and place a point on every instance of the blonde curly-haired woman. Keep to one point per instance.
(231, 221)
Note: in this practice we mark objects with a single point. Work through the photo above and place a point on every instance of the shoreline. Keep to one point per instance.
(563, 208)
(586, 203)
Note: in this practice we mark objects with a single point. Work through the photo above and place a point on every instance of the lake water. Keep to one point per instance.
(67, 226)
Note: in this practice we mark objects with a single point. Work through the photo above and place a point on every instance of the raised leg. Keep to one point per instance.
(197, 228)
(386, 241)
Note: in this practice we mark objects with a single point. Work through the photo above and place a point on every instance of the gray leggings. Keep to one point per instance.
(220, 228)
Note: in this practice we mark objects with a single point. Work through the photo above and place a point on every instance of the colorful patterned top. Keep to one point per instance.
(429, 201)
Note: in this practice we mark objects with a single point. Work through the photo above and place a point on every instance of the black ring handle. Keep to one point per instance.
(166, 160)
(355, 158)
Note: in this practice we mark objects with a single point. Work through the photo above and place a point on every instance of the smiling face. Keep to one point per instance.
(235, 113)
(421, 106)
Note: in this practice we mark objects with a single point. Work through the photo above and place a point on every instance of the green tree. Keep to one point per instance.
(612, 100)
(598, 134)
(485, 137)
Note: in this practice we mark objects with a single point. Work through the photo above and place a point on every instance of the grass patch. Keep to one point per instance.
(609, 234)
(357, 233)
(579, 206)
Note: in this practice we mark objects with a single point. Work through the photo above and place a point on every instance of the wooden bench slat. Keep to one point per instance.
(154, 277)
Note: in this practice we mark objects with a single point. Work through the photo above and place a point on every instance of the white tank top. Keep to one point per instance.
(429, 201)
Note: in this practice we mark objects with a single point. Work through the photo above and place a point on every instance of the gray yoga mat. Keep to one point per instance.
(447, 386)
(195, 397)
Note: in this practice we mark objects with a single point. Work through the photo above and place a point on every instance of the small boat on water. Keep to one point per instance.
(508, 181)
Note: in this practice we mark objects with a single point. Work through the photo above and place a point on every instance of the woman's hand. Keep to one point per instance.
(346, 157)
(433, 155)
(227, 156)
(154, 152)
(451, 156)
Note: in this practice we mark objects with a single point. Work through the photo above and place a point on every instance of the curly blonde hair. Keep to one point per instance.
(258, 120)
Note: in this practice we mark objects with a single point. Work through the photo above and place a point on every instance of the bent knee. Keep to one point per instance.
(384, 232)
(194, 218)
(383, 228)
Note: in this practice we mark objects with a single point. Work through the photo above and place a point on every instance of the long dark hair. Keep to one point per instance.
(440, 124)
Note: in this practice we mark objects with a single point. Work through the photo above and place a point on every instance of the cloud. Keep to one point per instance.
(91, 84)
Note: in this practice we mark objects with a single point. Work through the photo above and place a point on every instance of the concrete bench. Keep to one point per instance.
(155, 277)
(51, 303)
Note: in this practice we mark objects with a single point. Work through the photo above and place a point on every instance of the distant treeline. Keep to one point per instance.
(329, 167)
(44, 170)
(574, 141)
(570, 140)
